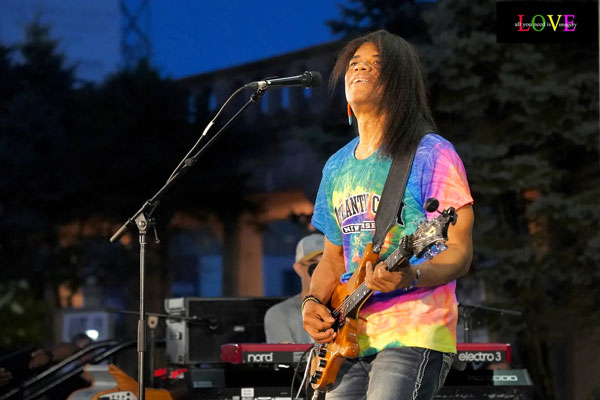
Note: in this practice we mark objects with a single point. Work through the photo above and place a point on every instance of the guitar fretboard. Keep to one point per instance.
(362, 293)
(400, 254)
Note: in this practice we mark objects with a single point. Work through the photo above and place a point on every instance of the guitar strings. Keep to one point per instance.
(344, 304)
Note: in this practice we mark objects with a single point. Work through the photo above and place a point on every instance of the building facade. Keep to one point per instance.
(283, 143)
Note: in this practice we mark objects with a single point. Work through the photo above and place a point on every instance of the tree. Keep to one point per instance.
(530, 142)
(524, 119)
(79, 160)
(34, 122)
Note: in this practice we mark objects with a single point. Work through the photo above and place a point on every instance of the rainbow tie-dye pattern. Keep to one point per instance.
(345, 210)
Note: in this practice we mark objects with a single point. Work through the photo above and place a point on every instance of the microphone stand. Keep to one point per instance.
(143, 220)
(467, 311)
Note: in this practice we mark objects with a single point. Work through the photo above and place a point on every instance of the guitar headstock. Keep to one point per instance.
(430, 237)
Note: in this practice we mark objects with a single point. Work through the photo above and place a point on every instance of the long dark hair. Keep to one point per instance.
(404, 93)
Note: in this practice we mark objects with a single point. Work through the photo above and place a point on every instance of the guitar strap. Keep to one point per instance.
(392, 195)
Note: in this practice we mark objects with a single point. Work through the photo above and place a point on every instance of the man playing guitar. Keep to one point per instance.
(406, 331)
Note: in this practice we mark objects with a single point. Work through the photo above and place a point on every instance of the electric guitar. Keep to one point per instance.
(429, 239)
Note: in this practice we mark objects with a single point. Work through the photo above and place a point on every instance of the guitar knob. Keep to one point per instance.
(427, 255)
(442, 247)
(322, 363)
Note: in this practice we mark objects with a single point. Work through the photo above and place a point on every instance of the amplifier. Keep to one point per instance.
(198, 326)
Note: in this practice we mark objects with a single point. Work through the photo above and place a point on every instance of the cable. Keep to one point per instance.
(306, 372)
(296, 371)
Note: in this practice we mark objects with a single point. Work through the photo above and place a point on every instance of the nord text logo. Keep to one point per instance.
(260, 357)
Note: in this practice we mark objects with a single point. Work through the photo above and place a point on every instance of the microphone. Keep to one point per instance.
(308, 79)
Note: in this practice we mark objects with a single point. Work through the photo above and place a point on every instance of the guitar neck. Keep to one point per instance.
(399, 255)
(362, 292)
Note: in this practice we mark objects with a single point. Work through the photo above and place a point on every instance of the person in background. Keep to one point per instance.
(44, 357)
(283, 321)
(21, 365)
(5, 377)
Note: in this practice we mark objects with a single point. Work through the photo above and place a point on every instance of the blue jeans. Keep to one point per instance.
(404, 373)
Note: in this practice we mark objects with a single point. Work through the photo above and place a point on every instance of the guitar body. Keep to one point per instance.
(111, 383)
(329, 358)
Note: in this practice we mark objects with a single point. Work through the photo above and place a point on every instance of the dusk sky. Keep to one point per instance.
(199, 36)
(187, 37)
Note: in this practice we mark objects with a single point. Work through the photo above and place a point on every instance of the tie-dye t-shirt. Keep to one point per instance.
(345, 209)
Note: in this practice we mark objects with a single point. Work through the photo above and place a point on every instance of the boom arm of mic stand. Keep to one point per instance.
(188, 318)
(492, 309)
(153, 202)
(253, 99)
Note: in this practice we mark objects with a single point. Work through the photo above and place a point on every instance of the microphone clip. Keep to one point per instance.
(261, 85)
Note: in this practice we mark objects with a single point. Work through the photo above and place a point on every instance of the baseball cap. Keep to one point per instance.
(309, 247)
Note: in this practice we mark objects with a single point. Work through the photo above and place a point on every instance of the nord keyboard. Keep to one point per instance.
(249, 353)
(466, 383)
(260, 353)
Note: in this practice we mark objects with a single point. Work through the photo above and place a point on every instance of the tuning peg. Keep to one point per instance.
(453, 219)
(431, 204)
(434, 250)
